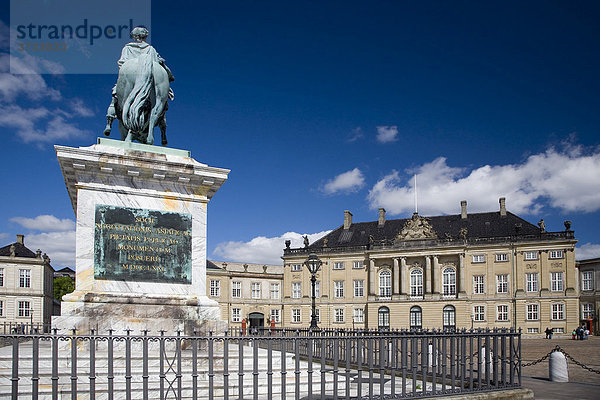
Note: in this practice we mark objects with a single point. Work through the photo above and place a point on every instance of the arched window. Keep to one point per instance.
(385, 283)
(449, 282)
(416, 282)
(383, 318)
(449, 318)
(416, 317)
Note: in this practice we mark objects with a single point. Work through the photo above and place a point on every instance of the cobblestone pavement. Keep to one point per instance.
(584, 351)
(582, 384)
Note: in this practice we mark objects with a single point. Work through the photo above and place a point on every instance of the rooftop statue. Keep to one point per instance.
(139, 98)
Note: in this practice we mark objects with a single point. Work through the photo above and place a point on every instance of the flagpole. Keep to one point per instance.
(416, 198)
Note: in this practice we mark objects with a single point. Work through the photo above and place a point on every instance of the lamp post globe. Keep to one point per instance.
(313, 264)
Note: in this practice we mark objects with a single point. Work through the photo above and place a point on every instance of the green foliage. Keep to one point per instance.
(62, 286)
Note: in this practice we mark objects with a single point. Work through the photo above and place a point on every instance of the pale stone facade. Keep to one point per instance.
(246, 293)
(480, 270)
(589, 284)
(26, 280)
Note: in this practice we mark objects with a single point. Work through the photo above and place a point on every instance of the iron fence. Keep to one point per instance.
(345, 365)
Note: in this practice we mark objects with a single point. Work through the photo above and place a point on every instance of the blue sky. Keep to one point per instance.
(319, 107)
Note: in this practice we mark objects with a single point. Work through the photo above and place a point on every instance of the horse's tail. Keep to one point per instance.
(134, 118)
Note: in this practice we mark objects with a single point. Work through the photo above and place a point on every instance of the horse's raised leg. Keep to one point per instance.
(107, 129)
(162, 124)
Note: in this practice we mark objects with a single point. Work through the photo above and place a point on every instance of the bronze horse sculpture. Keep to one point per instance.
(142, 92)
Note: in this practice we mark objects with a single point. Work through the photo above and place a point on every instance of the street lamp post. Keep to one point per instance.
(313, 263)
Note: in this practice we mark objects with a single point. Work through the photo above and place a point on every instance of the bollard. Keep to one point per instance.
(558, 367)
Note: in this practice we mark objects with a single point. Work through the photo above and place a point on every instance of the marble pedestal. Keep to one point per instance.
(132, 177)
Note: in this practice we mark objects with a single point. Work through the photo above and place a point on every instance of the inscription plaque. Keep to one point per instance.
(142, 245)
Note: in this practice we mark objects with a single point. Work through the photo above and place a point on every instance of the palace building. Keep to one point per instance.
(248, 294)
(589, 283)
(479, 270)
(25, 286)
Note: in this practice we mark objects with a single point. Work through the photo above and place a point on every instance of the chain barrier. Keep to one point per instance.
(558, 348)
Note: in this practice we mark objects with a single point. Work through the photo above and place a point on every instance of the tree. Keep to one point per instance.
(62, 286)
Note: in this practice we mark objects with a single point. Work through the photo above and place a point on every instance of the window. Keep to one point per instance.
(502, 314)
(359, 288)
(531, 280)
(416, 283)
(558, 311)
(358, 316)
(478, 284)
(558, 330)
(274, 290)
(338, 287)
(358, 264)
(478, 258)
(383, 318)
(533, 311)
(554, 254)
(479, 313)
(318, 289)
(296, 290)
(416, 317)
(275, 316)
(556, 281)
(587, 280)
(533, 330)
(236, 315)
(502, 283)
(318, 315)
(339, 315)
(587, 311)
(215, 288)
(1, 308)
(256, 290)
(385, 283)
(296, 267)
(449, 317)
(24, 278)
(1, 276)
(449, 282)
(338, 265)
(530, 255)
(501, 257)
(236, 289)
(296, 316)
(24, 309)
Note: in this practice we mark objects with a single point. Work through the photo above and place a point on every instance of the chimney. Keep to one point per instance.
(381, 217)
(21, 239)
(347, 219)
(502, 207)
(463, 209)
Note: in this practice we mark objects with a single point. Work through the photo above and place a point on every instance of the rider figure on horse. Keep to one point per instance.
(133, 50)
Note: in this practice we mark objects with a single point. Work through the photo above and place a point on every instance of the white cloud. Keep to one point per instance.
(568, 180)
(60, 246)
(27, 82)
(20, 80)
(356, 134)
(349, 181)
(27, 120)
(386, 134)
(587, 251)
(262, 250)
(45, 223)
(78, 107)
